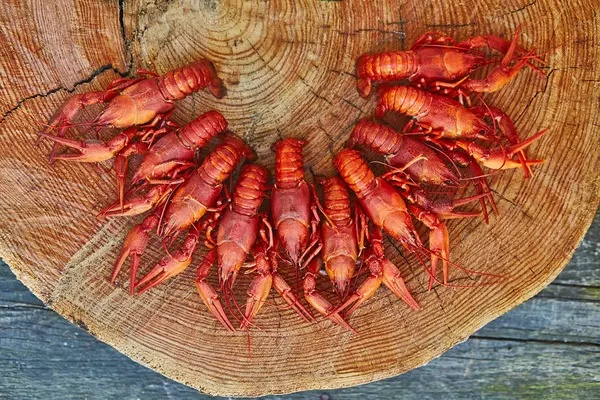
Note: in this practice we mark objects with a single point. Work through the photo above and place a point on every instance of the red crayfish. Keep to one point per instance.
(136, 102)
(437, 61)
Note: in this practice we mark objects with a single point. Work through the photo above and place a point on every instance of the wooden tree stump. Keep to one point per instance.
(288, 67)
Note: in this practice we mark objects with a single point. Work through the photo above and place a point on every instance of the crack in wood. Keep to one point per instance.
(126, 41)
(329, 137)
(335, 71)
(353, 105)
(536, 95)
(512, 203)
(401, 22)
(522, 8)
(90, 78)
(278, 132)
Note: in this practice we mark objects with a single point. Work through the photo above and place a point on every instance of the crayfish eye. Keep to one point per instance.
(448, 182)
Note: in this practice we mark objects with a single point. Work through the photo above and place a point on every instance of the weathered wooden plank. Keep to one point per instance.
(558, 313)
(584, 267)
(45, 356)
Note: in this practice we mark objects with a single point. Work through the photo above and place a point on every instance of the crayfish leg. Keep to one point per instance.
(498, 158)
(496, 79)
(439, 245)
(121, 163)
(379, 265)
(433, 38)
(134, 245)
(503, 46)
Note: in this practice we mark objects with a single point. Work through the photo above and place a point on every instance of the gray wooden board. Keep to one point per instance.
(549, 348)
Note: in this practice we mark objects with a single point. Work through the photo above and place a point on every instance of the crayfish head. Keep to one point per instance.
(340, 270)
(294, 238)
(230, 258)
(398, 224)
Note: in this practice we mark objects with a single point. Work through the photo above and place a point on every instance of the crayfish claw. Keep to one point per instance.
(170, 265)
(63, 119)
(363, 293)
(393, 280)
(211, 299)
(207, 293)
(257, 295)
(153, 278)
(324, 307)
(167, 268)
(260, 286)
(135, 263)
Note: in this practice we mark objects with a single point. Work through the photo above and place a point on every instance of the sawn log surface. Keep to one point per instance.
(288, 67)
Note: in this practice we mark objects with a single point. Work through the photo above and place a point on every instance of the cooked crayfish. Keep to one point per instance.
(293, 203)
(386, 208)
(341, 234)
(437, 61)
(420, 161)
(139, 101)
(238, 229)
(201, 191)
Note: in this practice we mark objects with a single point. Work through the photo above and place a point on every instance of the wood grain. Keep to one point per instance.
(288, 68)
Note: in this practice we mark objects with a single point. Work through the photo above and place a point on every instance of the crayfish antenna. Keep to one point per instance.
(501, 278)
